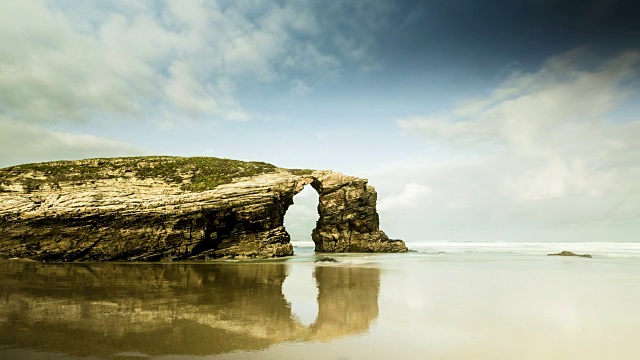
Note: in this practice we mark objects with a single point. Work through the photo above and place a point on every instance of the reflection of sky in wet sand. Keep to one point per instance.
(411, 306)
(300, 290)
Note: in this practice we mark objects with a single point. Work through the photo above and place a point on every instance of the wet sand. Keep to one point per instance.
(406, 306)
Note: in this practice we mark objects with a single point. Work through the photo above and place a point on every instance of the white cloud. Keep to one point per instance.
(24, 143)
(148, 60)
(51, 72)
(409, 197)
(542, 151)
(168, 64)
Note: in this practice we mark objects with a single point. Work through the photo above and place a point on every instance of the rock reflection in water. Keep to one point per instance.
(105, 309)
(347, 300)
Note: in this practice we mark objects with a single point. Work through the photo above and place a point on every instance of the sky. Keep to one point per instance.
(474, 120)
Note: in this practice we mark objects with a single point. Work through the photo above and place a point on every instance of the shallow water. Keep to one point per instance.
(458, 305)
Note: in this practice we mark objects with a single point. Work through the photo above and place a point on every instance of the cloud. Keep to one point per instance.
(51, 72)
(183, 60)
(23, 143)
(548, 150)
(409, 197)
(166, 64)
(299, 87)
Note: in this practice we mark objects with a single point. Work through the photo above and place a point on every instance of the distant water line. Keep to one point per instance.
(602, 248)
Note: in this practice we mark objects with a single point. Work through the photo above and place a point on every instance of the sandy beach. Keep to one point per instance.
(459, 305)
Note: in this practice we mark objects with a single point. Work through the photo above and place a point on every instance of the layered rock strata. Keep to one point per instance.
(123, 215)
(348, 219)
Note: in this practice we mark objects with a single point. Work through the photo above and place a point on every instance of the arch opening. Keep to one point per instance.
(301, 217)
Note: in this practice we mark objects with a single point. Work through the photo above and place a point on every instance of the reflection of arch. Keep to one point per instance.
(106, 308)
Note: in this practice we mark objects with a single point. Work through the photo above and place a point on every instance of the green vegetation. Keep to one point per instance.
(300, 172)
(192, 173)
(205, 173)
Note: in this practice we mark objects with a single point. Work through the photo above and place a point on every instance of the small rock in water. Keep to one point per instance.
(569, 253)
(326, 259)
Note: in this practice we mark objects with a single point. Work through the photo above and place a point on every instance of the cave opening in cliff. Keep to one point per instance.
(300, 219)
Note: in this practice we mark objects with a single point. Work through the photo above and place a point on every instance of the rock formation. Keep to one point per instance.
(169, 208)
(569, 253)
(348, 218)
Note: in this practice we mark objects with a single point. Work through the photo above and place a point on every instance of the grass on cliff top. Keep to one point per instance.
(192, 173)
(301, 172)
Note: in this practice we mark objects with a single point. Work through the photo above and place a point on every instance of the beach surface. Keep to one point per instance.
(445, 301)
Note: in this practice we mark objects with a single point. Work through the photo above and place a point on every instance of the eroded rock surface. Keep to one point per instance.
(348, 219)
(137, 212)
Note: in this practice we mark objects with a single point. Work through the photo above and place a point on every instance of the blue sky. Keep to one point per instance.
(475, 121)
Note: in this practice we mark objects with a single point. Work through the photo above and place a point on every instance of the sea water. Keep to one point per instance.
(447, 300)
(600, 249)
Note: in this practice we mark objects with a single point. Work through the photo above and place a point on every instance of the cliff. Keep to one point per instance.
(173, 208)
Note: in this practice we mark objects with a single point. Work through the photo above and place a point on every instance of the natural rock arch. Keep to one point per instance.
(347, 216)
(128, 218)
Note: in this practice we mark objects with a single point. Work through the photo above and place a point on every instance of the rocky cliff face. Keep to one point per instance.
(166, 208)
